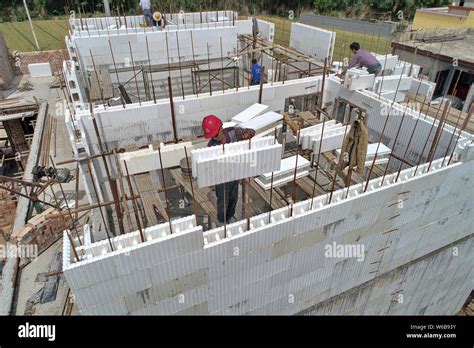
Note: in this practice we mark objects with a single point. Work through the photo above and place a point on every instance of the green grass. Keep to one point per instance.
(50, 34)
(343, 39)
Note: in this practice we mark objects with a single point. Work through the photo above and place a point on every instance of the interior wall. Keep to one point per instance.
(197, 49)
(379, 108)
(317, 42)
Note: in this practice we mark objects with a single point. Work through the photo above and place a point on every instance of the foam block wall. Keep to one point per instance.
(278, 266)
(219, 164)
(314, 41)
(132, 22)
(379, 108)
(422, 88)
(266, 29)
(149, 122)
(99, 45)
(392, 83)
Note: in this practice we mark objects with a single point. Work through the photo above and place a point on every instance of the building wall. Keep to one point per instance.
(316, 42)
(363, 27)
(183, 46)
(431, 20)
(420, 248)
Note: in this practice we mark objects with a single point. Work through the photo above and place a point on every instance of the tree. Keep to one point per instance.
(324, 6)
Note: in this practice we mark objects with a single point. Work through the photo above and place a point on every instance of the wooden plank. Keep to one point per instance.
(308, 117)
(150, 198)
(200, 195)
(307, 185)
(437, 111)
(203, 196)
(277, 202)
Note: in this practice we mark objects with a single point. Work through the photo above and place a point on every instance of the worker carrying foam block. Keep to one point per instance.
(363, 59)
(354, 148)
(228, 193)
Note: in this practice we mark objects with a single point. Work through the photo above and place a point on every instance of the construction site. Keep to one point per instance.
(354, 194)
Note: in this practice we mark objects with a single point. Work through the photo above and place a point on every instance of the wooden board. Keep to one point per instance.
(454, 115)
(150, 198)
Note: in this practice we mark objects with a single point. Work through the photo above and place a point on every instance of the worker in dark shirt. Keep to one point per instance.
(362, 58)
(256, 73)
(228, 193)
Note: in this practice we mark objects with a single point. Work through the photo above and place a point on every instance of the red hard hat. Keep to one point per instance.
(211, 125)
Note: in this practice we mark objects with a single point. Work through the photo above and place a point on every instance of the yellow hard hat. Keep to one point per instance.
(157, 16)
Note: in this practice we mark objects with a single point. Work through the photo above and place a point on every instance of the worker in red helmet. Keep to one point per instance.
(227, 194)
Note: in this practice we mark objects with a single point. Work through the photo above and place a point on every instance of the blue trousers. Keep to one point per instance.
(374, 69)
(148, 17)
(227, 194)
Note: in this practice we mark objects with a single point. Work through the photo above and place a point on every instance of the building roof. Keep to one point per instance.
(447, 50)
(457, 11)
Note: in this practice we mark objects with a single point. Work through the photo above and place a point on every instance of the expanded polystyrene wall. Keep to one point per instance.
(144, 124)
(132, 22)
(314, 41)
(280, 266)
(101, 52)
(379, 108)
(266, 29)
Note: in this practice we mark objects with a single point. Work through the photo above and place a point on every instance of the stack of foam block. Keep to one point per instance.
(219, 164)
(255, 117)
(332, 137)
(41, 230)
(383, 152)
(285, 174)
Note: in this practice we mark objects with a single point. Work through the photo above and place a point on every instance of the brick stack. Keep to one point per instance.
(40, 230)
(55, 58)
(7, 211)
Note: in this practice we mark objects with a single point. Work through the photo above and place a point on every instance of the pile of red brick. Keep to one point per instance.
(55, 58)
(7, 212)
(41, 230)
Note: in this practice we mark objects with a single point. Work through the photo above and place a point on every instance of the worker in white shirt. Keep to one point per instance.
(146, 8)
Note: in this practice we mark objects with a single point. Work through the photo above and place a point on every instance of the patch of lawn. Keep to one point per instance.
(50, 33)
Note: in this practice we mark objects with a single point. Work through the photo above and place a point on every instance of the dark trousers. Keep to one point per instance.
(229, 196)
(254, 83)
(148, 17)
(374, 69)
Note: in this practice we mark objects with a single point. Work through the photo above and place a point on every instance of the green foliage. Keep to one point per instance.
(10, 9)
(324, 6)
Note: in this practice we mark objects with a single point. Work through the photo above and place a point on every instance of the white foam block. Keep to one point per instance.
(372, 149)
(40, 70)
(219, 164)
(288, 166)
(147, 160)
(262, 121)
(249, 113)
(280, 180)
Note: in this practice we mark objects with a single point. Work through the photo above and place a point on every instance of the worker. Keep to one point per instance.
(158, 20)
(256, 73)
(146, 8)
(227, 193)
(363, 58)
